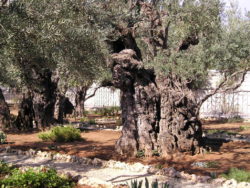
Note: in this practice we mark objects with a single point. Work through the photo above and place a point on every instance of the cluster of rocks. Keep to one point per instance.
(164, 173)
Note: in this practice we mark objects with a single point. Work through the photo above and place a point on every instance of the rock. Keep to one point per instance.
(138, 167)
(152, 170)
(31, 152)
(203, 179)
(97, 162)
(219, 181)
(76, 178)
(199, 164)
(8, 149)
(230, 184)
(243, 185)
(171, 172)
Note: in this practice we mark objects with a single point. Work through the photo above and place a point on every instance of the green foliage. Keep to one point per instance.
(2, 137)
(156, 153)
(35, 179)
(212, 164)
(38, 35)
(108, 111)
(237, 174)
(5, 168)
(155, 184)
(140, 154)
(61, 134)
(244, 127)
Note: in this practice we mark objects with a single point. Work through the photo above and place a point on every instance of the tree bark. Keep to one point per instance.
(156, 117)
(80, 98)
(4, 112)
(25, 118)
(44, 98)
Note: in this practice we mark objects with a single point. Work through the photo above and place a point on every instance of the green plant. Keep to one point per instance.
(156, 153)
(244, 127)
(140, 154)
(61, 134)
(5, 168)
(212, 164)
(237, 174)
(155, 184)
(2, 137)
(213, 175)
(159, 166)
(36, 179)
(91, 122)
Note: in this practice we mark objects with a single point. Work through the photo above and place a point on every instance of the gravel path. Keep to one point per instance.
(94, 175)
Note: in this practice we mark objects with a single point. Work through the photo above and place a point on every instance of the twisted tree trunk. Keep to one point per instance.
(44, 98)
(4, 112)
(25, 118)
(158, 114)
(80, 98)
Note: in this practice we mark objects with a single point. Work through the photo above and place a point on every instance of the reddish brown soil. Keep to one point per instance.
(100, 144)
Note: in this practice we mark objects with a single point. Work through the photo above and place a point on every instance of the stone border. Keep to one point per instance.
(136, 167)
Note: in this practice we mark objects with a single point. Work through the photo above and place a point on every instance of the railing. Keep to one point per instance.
(231, 104)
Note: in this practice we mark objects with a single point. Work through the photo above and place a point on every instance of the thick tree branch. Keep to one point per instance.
(93, 94)
(221, 88)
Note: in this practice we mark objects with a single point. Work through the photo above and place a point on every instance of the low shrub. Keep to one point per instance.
(61, 134)
(244, 127)
(140, 154)
(36, 179)
(5, 168)
(237, 174)
(2, 137)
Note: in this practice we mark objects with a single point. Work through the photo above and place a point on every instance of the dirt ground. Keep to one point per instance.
(100, 144)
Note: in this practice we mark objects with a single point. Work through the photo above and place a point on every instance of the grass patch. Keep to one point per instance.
(45, 178)
(212, 164)
(244, 127)
(238, 174)
(61, 134)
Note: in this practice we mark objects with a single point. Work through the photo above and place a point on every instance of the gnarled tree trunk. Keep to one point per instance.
(80, 98)
(44, 98)
(158, 114)
(4, 112)
(25, 118)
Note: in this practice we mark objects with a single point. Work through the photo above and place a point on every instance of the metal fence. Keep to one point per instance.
(236, 103)
(231, 104)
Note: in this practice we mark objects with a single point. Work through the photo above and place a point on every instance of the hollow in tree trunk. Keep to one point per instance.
(4, 112)
(158, 114)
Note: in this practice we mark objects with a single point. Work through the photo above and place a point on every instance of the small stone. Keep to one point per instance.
(243, 185)
(230, 184)
(203, 179)
(219, 181)
(97, 162)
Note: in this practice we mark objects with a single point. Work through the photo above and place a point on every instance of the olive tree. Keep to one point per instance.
(42, 37)
(162, 52)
